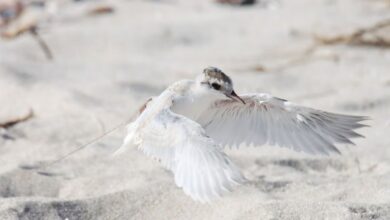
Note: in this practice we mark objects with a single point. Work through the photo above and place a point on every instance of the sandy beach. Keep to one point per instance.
(105, 67)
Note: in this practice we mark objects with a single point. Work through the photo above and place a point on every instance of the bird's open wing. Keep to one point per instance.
(268, 120)
(200, 167)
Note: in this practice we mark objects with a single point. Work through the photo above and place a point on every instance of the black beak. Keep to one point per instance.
(235, 97)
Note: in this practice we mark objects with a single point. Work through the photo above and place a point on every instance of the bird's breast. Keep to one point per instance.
(191, 107)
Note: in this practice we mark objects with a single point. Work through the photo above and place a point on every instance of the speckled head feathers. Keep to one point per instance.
(217, 74)
(217, 79)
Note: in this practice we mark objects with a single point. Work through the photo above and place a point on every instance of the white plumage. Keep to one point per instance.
(268, 120)
(186, 127)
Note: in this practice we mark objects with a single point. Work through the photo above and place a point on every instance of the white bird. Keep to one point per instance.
(188, 124)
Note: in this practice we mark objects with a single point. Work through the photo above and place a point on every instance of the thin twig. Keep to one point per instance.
(41, 43)
(357, 37)
(100, 10)
(295, 60)
(15, 121)
(308, 52)
(82, 147)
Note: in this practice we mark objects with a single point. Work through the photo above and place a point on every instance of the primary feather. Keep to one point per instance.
(268, 120)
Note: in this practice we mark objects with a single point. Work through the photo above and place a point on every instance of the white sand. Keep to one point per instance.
(105, 67)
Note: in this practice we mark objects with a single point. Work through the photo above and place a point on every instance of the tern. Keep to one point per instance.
(188, 125)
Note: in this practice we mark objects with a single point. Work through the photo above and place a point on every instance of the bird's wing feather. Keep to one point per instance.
(199, 165)
(268, 120)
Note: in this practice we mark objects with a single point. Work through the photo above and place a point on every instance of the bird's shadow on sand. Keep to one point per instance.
(301, 169)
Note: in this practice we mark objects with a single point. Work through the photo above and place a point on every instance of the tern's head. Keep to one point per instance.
(218, 82)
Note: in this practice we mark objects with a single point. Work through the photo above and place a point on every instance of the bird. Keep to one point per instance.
(188, 126)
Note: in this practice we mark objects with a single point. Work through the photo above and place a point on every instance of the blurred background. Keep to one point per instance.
(72, 70)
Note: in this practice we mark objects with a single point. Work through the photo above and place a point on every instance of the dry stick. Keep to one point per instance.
(42, 43)
(302, 57)
(357, 37)
(99, 10)
(298, 59)
(15, 121)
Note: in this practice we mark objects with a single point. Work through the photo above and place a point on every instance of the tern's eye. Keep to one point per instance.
(216, 86)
